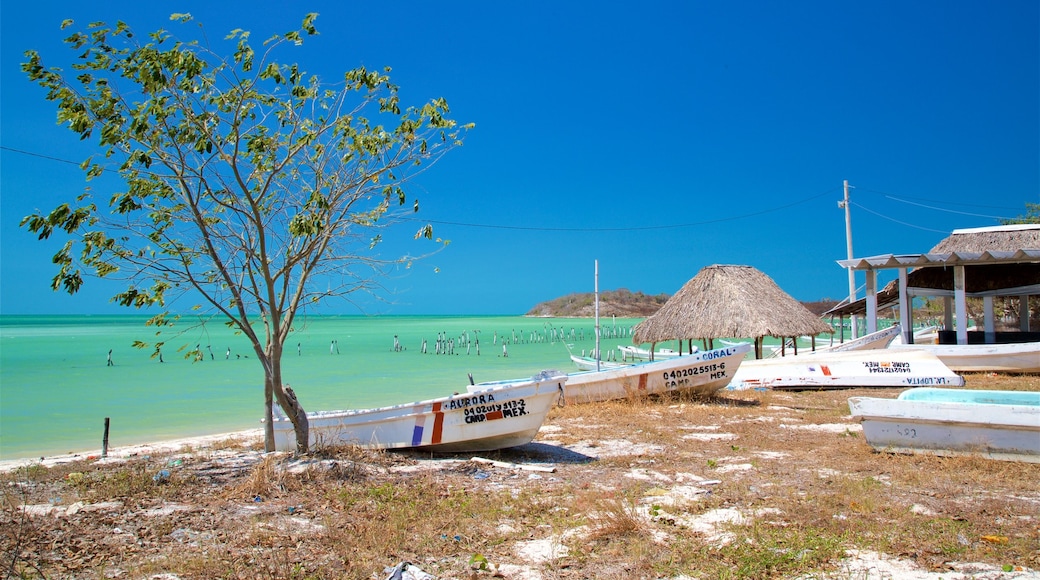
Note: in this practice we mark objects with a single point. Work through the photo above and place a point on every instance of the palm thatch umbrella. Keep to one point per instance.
(729, 301)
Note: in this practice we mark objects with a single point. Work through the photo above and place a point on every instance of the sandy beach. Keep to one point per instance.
(760, 484)
(248, 438)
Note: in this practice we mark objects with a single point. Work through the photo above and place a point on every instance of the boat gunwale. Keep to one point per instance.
(534, 385)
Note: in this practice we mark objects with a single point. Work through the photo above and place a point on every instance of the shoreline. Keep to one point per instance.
(122, 453)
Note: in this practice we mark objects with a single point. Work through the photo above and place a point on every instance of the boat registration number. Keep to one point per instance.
(694, 371)
(504, 410)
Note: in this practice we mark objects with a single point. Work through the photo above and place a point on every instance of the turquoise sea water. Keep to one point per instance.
(56, 387)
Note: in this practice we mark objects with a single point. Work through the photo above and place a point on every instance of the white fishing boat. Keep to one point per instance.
(846, 369)
(880, 339)
(1020, 357)
(496, 416)
(702, 373)
(634, 353)
(588, 363)
(993, 424)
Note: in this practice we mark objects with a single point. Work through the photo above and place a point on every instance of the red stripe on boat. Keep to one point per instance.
(438, 424)
(642, 382)
(494, 415)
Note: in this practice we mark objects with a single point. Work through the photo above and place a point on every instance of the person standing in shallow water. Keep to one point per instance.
(110, 363)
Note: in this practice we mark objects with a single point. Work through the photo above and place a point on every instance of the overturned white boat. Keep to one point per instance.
(1016, 357)
(843, 370)
(994, 424)
(496, 416)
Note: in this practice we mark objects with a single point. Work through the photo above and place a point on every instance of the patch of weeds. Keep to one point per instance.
(264, 481)
(415, 515)
(33, 472)
(130, 480)
(610, 515)
(766, 551)
(950, 537)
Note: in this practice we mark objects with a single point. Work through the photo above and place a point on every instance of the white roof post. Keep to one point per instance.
(871, 300)
(960, 304)
(906, 318)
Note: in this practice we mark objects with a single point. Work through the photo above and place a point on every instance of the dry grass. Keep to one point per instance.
(750, 485)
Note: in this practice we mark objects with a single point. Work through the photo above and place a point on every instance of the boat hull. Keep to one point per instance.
(880, 339)
(964, 422)
(843, 370)
(702, 373)
(1022, 357)
(502, 415)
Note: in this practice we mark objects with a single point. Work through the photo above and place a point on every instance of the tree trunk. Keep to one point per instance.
(289, 403)
(268, 414)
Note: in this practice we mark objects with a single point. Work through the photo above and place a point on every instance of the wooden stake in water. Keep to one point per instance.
(104, 441)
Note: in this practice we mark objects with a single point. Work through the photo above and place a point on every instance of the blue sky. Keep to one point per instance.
(655, 137)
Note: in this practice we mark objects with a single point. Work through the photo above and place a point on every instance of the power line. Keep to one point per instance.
(40, 155)
(943, 201)
(947, 210)
(630, 228)
(542, 228)
(895, 220)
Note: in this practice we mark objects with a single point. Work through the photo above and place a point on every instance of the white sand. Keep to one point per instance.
(118, 454)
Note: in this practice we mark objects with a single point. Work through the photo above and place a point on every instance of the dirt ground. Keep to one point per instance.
(746, 485)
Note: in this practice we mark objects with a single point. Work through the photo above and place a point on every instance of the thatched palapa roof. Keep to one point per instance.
(1002, 238)
(729, 301)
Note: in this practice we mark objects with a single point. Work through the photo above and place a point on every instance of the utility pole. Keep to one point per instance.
(848, 244)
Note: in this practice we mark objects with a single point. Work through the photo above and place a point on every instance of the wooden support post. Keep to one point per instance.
(104, 440)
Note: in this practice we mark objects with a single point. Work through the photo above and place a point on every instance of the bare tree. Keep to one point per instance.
(247, 182)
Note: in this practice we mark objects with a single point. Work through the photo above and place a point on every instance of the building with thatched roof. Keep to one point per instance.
(1009, 238)
(729, 301)
(980, 262)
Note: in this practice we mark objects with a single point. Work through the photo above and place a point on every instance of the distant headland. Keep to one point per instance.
(624, 303)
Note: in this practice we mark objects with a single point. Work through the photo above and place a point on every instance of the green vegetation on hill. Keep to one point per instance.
(622, 302)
